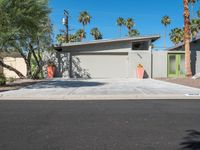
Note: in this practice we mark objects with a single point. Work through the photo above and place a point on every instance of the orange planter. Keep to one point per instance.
(50, 72)
(140, 72)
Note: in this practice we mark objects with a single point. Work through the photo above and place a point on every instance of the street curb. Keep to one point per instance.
(102, 97)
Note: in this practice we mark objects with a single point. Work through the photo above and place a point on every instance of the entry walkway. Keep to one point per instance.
(102, 89)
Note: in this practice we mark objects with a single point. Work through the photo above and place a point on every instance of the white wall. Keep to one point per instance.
(159, 63)
(139, 57)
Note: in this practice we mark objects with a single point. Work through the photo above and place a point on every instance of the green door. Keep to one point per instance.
(176, 65)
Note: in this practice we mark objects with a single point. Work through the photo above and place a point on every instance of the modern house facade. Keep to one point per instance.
(117, 58)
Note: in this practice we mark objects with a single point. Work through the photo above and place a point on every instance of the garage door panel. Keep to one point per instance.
(104, 66)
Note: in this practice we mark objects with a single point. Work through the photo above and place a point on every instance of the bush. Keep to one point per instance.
(2, 79)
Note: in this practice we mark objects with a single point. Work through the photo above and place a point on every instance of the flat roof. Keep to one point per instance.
(136, 38)
(176, 47)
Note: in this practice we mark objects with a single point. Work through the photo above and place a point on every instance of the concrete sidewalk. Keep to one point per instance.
(102, 89)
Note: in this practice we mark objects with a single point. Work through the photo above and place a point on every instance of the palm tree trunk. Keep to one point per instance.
(165, 33)
(120, 32)
(187, 39)
(192, 11)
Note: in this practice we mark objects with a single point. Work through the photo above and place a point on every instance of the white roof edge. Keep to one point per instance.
(153, 37)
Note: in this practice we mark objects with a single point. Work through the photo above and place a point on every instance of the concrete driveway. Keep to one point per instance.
(65, 89)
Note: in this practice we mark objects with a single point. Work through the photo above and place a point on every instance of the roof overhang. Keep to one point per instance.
(179, 46)
(131, 39)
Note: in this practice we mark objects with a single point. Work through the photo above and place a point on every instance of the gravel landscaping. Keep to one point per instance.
(183, 81)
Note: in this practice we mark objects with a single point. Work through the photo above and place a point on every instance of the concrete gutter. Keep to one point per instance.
(104, 97)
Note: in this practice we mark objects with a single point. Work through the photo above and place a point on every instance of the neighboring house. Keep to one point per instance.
(15, 60)
(177, 57)
(171, 62)
(117, 58)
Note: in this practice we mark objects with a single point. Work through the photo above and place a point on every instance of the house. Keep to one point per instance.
(116, 58)
(15, 60)
(177, 57)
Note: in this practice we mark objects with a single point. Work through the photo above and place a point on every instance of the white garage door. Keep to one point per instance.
(103, 65)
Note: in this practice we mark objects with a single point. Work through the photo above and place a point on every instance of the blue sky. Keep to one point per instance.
(146, 14)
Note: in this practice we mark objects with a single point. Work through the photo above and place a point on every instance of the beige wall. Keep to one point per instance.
(17, 63)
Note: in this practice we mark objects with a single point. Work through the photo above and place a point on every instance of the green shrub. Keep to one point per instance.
(2, 79)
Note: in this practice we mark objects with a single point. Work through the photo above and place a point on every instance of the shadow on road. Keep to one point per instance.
(64, 84)
(191, 141)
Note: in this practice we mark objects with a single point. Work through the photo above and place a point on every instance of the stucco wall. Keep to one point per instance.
(17, 63)
(139, 57)
(198, 62)
(159, 63)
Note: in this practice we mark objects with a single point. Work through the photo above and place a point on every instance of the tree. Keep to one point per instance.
(29, 32)
(133, 32)
(84, 18)
(129, 23)
(80, 34)
(198, 13)
(195, 27)
(96, 34)
(165, 21)
(192, 2)
(176, 35)
(187, 38)
(60, 38)
(120, 23)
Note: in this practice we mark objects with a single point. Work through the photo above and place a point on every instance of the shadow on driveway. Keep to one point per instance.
(191, 141)
(65, 84)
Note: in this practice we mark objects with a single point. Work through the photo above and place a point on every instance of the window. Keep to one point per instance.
(140, 46)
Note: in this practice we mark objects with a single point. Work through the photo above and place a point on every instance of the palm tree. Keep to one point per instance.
(120, 23)
(198, 13)
(73, 38)
(192, 2)
(187, 38)
(129, 23)
(96, 34)
(81, 34)
(195, 27)
(133, 32)
(176, 35)
(60, 38)
(165, 21)
(84, 18)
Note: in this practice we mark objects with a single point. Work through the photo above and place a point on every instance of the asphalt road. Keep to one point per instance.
(100, 125)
